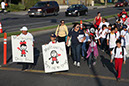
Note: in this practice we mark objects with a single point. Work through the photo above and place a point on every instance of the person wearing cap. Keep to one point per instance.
(53, 39)
(122, 35)
(24, 34)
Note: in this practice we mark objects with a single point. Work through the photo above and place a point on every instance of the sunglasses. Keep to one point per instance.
(77, 27)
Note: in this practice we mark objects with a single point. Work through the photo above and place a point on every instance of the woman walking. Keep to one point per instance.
(77, 37)
(61, 31)
(97, 20)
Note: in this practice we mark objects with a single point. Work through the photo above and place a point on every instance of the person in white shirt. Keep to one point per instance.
(86, 32)
(117, 32)
(127, 43)
(3, 6)
(24, 34)
(111, 39)
(104, 22)
(119, 53)
(102, 36)
(123, 33)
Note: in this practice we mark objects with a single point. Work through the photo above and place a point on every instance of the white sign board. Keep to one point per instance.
(22, 49)
(55, 57)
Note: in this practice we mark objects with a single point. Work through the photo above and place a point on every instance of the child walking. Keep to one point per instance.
(53, 39)
(119, 54)
(92, 52)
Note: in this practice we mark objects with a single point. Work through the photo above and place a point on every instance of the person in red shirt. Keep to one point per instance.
(97, 20)
(123, 14)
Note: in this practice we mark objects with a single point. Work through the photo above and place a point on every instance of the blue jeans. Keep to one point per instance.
(84, 49)
(103, 43)
(76, 52)
(91, 59)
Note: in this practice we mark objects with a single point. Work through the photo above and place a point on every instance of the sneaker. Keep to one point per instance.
(94, 63)
(89, 66)
(118, 79)
(82, 58)
(75, 63)
(78, 64)
(102, 50)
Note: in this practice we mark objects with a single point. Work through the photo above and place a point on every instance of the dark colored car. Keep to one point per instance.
(76, 10)
(43, 8)
(121, 3)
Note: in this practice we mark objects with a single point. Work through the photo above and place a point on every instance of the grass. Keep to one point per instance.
(52, 27)
(100, 4)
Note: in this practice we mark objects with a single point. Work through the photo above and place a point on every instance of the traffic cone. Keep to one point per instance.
(1, 31)
(81, 24)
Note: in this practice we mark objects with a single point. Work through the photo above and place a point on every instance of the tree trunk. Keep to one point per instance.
(23, 3)
(105, 2)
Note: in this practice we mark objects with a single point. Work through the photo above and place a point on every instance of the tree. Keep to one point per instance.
(105, 2)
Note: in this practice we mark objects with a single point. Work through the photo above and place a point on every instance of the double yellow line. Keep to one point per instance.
(67, 74)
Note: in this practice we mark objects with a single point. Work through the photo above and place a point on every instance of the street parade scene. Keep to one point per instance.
(64, 43)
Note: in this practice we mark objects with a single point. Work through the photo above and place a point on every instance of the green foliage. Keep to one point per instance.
(30, 3)
(14, 7)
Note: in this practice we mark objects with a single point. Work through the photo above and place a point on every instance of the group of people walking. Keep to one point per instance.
(111, 38)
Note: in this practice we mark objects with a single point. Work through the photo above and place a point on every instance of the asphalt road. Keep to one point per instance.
(13, 22)
(102, 74)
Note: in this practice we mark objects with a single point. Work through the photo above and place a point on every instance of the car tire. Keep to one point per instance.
(86, 13)
(55, 13)
(78, 14)
(31, 15)
(44, 13)
(66, 15)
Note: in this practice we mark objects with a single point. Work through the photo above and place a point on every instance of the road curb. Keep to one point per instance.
(36, 33)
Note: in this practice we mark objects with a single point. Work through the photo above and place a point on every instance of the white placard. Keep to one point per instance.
(22, 49)
(80, 38)
(55, 57)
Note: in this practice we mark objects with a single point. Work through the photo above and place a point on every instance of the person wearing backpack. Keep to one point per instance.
(111, 39)
(102, 36)
(119, 54)
(123, 33)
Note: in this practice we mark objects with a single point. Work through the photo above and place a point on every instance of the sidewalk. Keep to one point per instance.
(63, 9)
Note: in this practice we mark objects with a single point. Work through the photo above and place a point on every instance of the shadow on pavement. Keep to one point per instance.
(106, 63)
(96, 78)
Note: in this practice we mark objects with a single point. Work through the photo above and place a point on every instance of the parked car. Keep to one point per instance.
(76, 10)
(121, 3)
(43, 8)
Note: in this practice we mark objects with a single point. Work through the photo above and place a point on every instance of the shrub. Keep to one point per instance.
(14, 7)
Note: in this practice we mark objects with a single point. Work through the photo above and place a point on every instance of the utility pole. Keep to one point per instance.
(105, 2)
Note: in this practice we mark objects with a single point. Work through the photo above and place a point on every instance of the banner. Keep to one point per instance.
(22, 49)
(55, 57)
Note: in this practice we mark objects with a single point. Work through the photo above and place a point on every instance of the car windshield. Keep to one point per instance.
(74, 6)
(39, 5)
